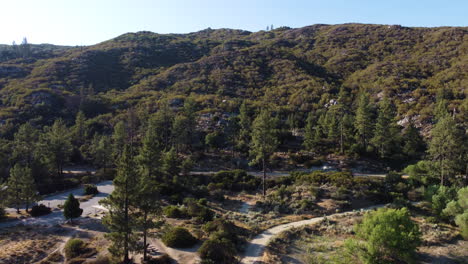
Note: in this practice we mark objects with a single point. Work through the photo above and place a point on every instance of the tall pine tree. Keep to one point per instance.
(264, 141)
(363, 121)
(121, 219)
(386, 130)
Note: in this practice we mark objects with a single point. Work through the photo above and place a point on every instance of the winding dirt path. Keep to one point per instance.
(255, 248)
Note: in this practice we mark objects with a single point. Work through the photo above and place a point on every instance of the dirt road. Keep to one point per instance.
(255, 247)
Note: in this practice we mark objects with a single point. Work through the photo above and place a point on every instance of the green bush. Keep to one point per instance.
(381, 242)
(38, 210)
(85, 179)
(462, 221)
(74, 248)
(178, 237)
(441, 198)
(203, 201)
(163, 259)
(90, 189)
(173, 211)
(107, 174)
(2, 212)
(218, 251)
(194, 209)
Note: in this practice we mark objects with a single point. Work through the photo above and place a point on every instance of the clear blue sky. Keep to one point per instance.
(84, 22)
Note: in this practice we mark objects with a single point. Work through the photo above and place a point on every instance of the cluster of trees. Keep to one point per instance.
(366, 129)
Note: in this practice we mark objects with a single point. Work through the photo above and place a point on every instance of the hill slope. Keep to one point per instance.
(295, 70)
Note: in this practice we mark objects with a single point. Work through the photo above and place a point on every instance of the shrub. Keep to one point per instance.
(462, 221)
(458, 209)
(163, 259)
(90, 189)
(196, 210)
(178, 237)
(381, 242)
(73, 248)
(173, 211)
(2, 212)
(38, 210)
(106, 174)
(203, 201)
(85, 179)
(218, 251)
(69, 183)
(100, 260)
(441, 198)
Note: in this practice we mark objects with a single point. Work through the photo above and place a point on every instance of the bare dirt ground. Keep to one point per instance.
(44, 244)
(323, 242)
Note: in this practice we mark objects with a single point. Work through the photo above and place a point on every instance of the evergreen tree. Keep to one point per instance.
(181, 136)
(163, 122)
(309, 133)
(149, 158)
(264, 141)
(79, 129)
(15, 185)
(119, 140)
(57, 145)
(25, 144)
(363, 121)
(148, 206)
(332, 125)
(29, 192)
(386, 130)
(231, 131)
(121, 219)
(71, 208)
(345, 124)
(170, 166)
(446, 148)
(245, 127)
(440, 109)
(413, 143)
(102, 151)
(149, 165)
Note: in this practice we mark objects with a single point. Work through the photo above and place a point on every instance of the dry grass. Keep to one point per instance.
(24, 245)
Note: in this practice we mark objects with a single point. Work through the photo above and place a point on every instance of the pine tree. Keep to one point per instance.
(181, 136)
(71, 208)
(264, 141)
(245, 127)
(309, 135)
(119, 140)
(29, 192)
(102, 151)
(363, 121)
(149, 158)
(25, 144)
(149, 168)
(121, 219)
(170, 166)
(446, 148)
(386, 131)
(79, 129)
(15, 185)
(148, 206)
(413, 143)
(57, 145)
(163, 122)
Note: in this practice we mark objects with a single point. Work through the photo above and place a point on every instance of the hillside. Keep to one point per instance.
(294, 70)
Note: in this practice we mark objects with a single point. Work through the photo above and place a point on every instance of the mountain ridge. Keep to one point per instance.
(296, 69)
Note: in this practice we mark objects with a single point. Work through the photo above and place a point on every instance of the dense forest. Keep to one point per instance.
(161, 106)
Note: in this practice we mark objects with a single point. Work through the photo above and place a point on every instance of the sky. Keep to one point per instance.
(87, 22)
